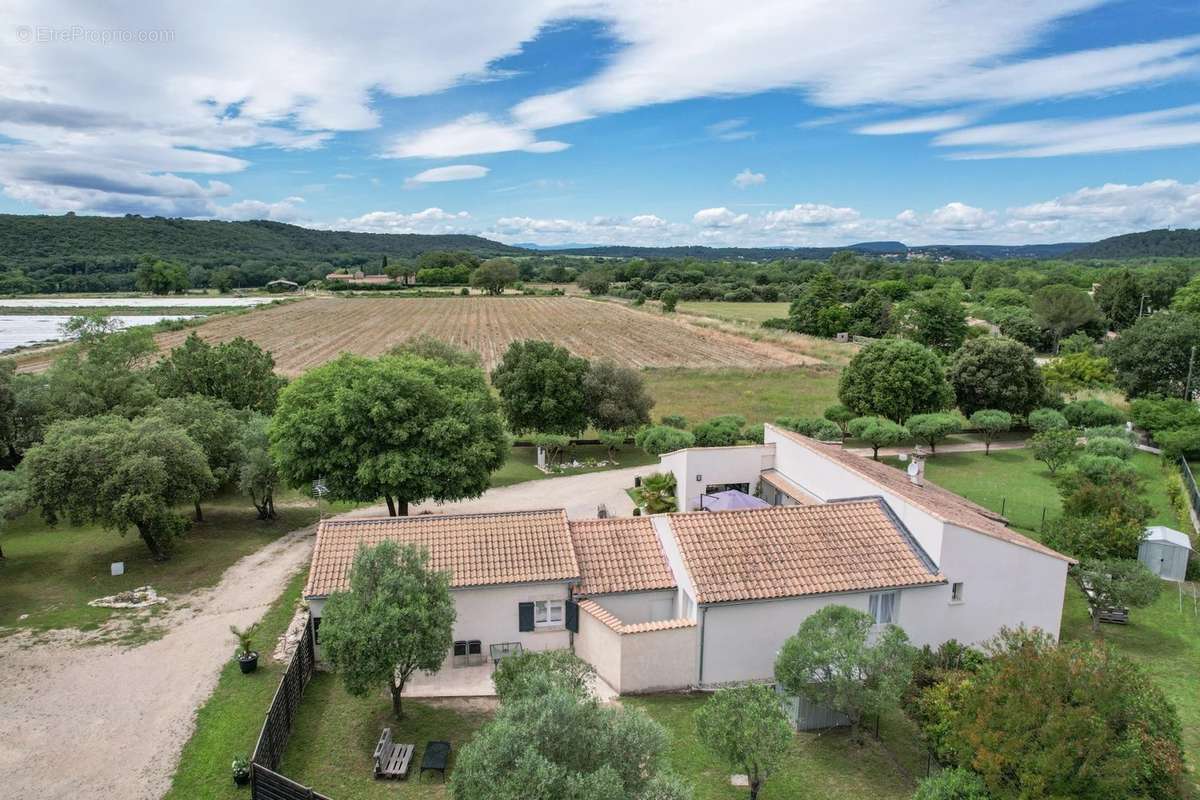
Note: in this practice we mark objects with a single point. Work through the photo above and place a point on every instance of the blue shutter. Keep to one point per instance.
(572, 616)
(524, 616)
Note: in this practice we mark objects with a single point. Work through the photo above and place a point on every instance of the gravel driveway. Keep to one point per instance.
(123, 715)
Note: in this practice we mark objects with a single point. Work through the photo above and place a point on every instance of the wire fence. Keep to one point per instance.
(1189, 483)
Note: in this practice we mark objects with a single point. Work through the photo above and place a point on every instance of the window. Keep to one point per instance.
(883, 607)
(956, 592)
(548, 613)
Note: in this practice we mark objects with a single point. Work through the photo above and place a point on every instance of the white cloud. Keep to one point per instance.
(958, 217)
(470, 135)
(647, 221)
(344, 176)
(455, 172)
(925, 124)
(1172, 127)
(809, 214)
(718, 218)
(430, 221)
(285, 210)
(746, 179)
(730, 130)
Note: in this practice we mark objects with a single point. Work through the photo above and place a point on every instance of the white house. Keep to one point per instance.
(703, 598)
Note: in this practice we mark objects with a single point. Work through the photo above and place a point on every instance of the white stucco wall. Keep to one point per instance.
(1003, 585)
(600, 646)
(740, 464)
(828, 480)
(686, 589)
(635, 607)
(741, 640)
(489, 614)
(658, 660)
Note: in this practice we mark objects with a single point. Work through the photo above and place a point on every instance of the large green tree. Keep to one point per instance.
(935, 319)
(494, 275)
(746, 728)
(397, 617)
(1063, 309)
(212, 425)
(542, 388)
(1119, 298)
(403, 428)
(103, 375)
(257, 475)
(119, 474)
(617, 399)
(1115, 583)
(811, 311)
(895, 378)
(559, 746)
(1154, 355)
(839, 660)
(238, 371)
(1187, 298)
(996, 372)
(161, 277)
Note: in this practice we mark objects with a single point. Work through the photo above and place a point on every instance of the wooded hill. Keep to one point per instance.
(1182, 243)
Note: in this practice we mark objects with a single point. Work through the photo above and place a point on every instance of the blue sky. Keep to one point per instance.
(770, 123)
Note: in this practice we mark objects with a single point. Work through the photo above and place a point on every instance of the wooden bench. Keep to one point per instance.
(436, 757)
(391, 760)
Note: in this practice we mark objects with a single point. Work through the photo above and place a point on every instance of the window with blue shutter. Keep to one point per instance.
(524, 616)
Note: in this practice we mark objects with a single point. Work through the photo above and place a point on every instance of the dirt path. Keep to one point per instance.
(104, 722)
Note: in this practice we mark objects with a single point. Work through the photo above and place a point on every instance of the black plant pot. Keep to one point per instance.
(241, 778)
(248, 663)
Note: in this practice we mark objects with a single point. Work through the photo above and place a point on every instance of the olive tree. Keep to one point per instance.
(1115, 583)
(397, 617)
(257, 475)
(404, 428)
(839, 660)
(120, 475)
(745, 726)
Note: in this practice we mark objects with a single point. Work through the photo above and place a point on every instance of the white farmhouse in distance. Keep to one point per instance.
(705, 598)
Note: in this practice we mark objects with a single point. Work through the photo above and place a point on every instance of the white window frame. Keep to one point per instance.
(549, 613)
(957, 592)
(875, 606)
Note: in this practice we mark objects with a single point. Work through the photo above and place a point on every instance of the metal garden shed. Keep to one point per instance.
(1165, 551)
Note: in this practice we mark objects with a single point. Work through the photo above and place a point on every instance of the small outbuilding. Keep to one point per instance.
(1165, 551)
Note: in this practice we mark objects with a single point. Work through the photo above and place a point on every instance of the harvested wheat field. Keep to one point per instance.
(302, 335)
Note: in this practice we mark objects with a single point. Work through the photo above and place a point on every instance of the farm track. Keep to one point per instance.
(302, 335)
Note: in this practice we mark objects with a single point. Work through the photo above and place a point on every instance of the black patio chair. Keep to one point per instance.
(436, 757)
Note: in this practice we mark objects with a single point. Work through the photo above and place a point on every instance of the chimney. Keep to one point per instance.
(916, 467)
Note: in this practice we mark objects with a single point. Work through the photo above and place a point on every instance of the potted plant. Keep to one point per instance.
(246, 655)
(241, 771)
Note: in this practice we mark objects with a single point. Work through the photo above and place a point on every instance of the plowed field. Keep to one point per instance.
(302, 335)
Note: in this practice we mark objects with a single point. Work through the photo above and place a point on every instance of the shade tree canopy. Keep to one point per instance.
(404, 428)
(1153, 356)
(895, 378)
(120, 475)
(238, 372)
(397, 617)
(214, 427)
(617, 399)
(996, 372)
(1063, 309)
(990, 422)
(494, 275)
(746, 728)
(541, 388)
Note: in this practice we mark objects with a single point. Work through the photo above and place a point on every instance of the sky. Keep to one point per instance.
(643, 122)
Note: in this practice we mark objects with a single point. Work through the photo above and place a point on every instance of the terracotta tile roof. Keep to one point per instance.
(789, 551)
(608, 618)
(941, 503)
(476, 549)
(619, 555)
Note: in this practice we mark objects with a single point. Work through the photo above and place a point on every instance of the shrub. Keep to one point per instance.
(1045, 419)
(674, 421)
(1182, 443)
(952, 784)
(722, 431)
(1099, 468)
(1111, 432)
(1109, 446)
(820, 429)
(1156, 414)
(659, 439)
(531, 674)
(670, 299)
(1091, 413)
(877, 432)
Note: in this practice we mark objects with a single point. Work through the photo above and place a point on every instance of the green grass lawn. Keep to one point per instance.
(819, 765)
(758, 395)
(228, 723)
(734, 312)
(1014, 482)
(335, 735)
(522, 463)
(52, 572)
